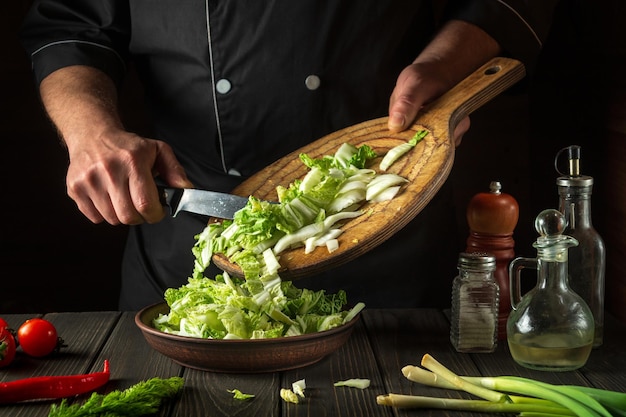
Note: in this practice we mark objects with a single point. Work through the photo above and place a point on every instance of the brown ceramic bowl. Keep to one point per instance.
(241, 356)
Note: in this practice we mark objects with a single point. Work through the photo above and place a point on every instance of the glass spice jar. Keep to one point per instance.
(475, 299)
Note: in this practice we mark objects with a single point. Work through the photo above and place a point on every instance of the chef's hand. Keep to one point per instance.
(417, 85)
(455, 51)
(111, 172)
(112, 178)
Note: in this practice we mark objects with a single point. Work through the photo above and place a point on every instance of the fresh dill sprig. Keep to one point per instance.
(143, 398)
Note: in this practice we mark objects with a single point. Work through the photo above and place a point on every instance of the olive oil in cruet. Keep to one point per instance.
(550, 327)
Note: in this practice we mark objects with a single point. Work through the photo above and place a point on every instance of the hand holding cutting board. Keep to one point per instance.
(426, 168)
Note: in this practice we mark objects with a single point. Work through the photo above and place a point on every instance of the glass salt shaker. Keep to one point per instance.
(475, 299)
(587, 260)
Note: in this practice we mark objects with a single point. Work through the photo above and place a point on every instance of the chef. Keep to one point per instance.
(231, 86)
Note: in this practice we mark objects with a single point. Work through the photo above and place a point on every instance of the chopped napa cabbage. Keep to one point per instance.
(332, 245)
(238, 395)
(397, 151)
(333, 189)
(381, 183)
(233, 308)
(360, 383)
(289, 396)
(261, 305)
(298, 387)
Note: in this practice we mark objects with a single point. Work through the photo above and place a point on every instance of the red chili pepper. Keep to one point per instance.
(47, 387)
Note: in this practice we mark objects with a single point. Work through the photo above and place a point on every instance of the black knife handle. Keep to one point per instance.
(170, 197)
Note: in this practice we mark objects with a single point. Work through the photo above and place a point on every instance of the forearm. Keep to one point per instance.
(111, 171)
(457, 50)
(81, 101)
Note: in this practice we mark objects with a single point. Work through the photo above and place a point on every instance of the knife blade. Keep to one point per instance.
(204, 202)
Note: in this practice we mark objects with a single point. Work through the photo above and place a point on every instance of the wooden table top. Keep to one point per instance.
(383, 342)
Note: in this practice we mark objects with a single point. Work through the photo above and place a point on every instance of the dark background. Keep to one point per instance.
(53, 259)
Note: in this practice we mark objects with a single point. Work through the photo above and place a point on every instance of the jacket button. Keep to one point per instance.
(312, 82)
(223, 86)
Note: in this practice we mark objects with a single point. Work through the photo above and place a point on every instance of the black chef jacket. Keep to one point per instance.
(234, 85)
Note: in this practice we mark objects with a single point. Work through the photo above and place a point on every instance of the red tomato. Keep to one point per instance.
(3, 323)
(38, 337)
(7, 347)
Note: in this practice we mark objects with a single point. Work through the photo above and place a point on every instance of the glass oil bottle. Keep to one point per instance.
(551, 327)
(587, 260)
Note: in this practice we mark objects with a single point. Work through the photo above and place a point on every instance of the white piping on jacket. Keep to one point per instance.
(80, 41)
(530, 28)
(217, 116)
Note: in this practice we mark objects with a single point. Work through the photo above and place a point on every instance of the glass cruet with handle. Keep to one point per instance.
(550, 327)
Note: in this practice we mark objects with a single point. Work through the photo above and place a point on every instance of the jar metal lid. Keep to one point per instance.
(477, 260)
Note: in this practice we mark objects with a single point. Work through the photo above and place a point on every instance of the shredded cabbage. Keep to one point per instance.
(360, 383)
(261, 305)
(231, 308)
(397, 151)
(334, 189)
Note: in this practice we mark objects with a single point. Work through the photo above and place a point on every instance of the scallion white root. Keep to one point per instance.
(425, 377)
(432, 364)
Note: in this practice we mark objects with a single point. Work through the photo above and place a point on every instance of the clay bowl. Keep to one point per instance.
(241, 356)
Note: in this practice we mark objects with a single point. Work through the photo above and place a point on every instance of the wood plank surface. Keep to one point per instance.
(83, 333)
(382, 343)
(606, 367)
(208, 391)
(355, 359)
(402, 337)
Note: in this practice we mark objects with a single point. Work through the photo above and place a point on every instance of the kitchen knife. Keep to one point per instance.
(208, 203)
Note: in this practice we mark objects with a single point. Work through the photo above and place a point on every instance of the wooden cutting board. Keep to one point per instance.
(426, 167)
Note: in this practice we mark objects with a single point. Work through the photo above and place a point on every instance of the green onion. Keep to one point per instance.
(530, 387)
(425, 377)
(416, 401)
(507, 394)
(431, 363)
(613, 401)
